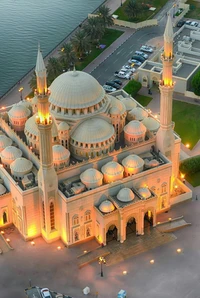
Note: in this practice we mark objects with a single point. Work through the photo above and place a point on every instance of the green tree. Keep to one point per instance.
(81, 43)
(196, 83)
(133, 9)
(54, 69)
(94, 29)
(106, 16)
(67, 56)
(33, 82)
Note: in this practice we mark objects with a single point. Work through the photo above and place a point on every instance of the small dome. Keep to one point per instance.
(125, 195)
(117, 106)
(10, 153)
(151, 124)
(2, 189)
(144, 192)
(4, 142)
(93, 130)
(112, 168)
(106, 206)
(133, 161)
(137, 114)
(21, 165)
(135, 127)
(63, 126)
(154, 163)
(60, 153)
(31, 127)
(91, 176)
(19, 111)
(129, 103)
(25, 103)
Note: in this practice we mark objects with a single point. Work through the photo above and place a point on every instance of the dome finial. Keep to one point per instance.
(74, 71)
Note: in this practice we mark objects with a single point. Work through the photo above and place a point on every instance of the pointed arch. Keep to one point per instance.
(52, 216)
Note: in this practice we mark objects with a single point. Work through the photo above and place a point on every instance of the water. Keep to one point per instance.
(24, 23)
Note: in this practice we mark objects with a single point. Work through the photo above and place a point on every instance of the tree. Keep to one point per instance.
(94, 28)
(67, 56)
(81, 43)
(54, 69)
(33, 82)
(105, 15)
(196, 83)
(133, 9)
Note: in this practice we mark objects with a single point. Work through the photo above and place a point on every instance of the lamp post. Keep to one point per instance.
(121, 2)
(20, 90)
(101, 262)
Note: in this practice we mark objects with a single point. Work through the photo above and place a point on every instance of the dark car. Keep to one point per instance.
(138, 58)
(180, 23)
(113, 84)
(117, 81)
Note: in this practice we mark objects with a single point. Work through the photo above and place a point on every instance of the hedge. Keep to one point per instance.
(133, 87)
(190, 165)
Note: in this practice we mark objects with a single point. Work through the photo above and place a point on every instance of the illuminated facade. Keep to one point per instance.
(87, 164)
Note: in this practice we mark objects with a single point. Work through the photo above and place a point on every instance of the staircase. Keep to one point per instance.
(172, 225)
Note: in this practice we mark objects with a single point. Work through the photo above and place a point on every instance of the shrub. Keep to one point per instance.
(133, 87)
(190, 165)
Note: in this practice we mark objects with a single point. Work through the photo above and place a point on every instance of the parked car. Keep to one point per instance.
(117, 81)
(128, 67)
(146, 49)
(188, 22)
(194, 24)
(109, 88)
(180, 23)
(134, 62)
(140, 53)
(138, 58)
(45, 293)
(113, 84)
(123, 74)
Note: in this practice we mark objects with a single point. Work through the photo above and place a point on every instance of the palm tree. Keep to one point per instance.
(54, 69)
(68, 56)
(133, 9)
(104, 14)
(94, 28)
(81, 43)
(33, 82)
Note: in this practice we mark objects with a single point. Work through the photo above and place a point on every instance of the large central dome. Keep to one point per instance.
(75, 90)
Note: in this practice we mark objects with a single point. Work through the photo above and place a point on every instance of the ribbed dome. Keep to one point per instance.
(2, 189)
(60, 153)
(91, 176)
(4, 142)
(75, 90)
(112, 168)
(144, 192)
(117, 107)
(19, 111)
(11, 153)
(135, 128)
(25, 103)
(21, 165)
(129, 103)
(125, 195)
(93, 130)
(137, 114)
(63, 126)
(133, 161)
(151, 124)
(31, 127)
(106, 206)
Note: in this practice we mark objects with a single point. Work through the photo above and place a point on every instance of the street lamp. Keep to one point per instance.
(20, 90)
(101, 262)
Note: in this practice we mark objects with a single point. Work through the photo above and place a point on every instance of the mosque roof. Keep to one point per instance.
(128, 102)
(93, 130)
(133, 161)
(63, 126)
(75, 90)
(138, 113)
(31, 126)
(19, 111)
(112, 168)
(125, 195)
(106, 206)
(60, 153)
(91, 176)
(144, 192)
(135, 127)
(151, 124)
(4, 141)
(21, 165)
(117, 106)
(11, 153)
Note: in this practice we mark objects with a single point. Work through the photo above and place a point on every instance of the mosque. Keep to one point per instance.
(77, 163)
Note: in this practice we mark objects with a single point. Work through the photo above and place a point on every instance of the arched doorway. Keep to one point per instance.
(111, 234)
(131, 226)
(148, 219)
(5, 218)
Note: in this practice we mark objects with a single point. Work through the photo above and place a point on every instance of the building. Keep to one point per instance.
(77, 163)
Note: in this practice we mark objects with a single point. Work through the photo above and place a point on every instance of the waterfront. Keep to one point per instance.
(25, 23)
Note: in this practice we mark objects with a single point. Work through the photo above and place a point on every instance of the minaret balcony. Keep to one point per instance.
(169, 57)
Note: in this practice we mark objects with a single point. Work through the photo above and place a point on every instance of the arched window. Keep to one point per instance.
(76, 236)
(52, 216)
(88, 233)
(75, 220)
(87, 215)
(43, 211)
(5, 218)
(164, 187)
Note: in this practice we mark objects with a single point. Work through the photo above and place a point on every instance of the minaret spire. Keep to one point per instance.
(41, 73)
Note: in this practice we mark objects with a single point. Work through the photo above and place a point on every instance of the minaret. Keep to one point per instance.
(165, 138)
(47, 177)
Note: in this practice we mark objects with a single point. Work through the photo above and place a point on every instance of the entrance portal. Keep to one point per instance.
(111, 234)
(148, 219)
(131, 226)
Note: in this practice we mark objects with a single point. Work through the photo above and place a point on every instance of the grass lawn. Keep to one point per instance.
(187, 124)
(143, 100)
(109, 37)
(193, 179)
(146, 14)
(194, 12)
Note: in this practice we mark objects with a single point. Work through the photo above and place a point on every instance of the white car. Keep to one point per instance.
(45, 293)
(135, 62)
(123, 74)
(140, 53)
(108, 88)
(194, 24)
(146, 49)
(126, 68)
